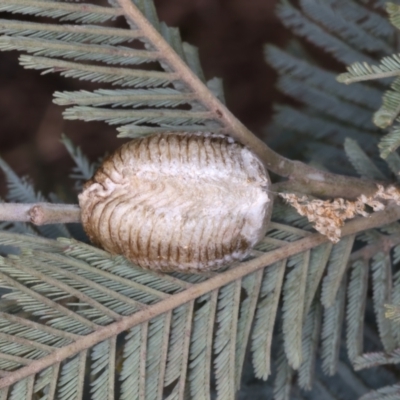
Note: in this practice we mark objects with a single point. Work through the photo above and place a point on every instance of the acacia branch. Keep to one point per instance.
(381, 218)
(307, 179)
(40, 213)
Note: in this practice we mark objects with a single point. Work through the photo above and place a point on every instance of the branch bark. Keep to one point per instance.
(385, 217)
(40, 213)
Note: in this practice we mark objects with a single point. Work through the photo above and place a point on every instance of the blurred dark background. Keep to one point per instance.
(230, 35)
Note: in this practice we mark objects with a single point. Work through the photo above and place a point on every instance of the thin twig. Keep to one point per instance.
(40, 213)
(306, 178)
(369, 77)
(385, 217)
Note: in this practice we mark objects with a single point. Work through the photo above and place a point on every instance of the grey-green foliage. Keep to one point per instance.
(331, 115)
(64, 290)
(83, 169)
(386, 117)
(154, 99)
(349, 31)
(74, 289)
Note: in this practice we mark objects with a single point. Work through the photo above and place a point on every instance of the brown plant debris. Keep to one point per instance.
(328, 216)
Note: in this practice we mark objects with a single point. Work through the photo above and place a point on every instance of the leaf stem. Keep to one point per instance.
(377, 219)
(346, 77)
(40, 213)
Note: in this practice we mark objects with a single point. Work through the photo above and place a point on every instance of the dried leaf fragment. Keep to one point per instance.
(329, 216)
(392, 312)
(178, 201)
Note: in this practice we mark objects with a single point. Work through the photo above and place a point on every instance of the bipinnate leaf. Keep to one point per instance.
(156, 76)
(94, 310)
(78, 322)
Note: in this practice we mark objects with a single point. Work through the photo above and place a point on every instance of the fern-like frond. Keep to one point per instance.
(311, 332)
(201, 347)
(103, 369)
(115, 56)
(85, 13)
(94, 73)
(336, 268)
(83, 298)
(225, 339)
(390, 142)
(318, 77)
(361, 162)
(389, 66)
(385, 393)
(335, 22)
(304, 27)
(158, 332)
(178, 353)
(396, 301)
(390, 108)
(265, 319)
(121, 117)
(325, 102)
(331, 330)
(251, 285)
(77, 51)
(293, 308)
(329, 113)
(90, 324)
(19, 190)
(160, 97)
(69, 33)
(358, 71)
(313, 125)
(132, 372)
(318, 262)
(382, 287)
(70, 382)
(394, 14)
(393, 162)
(355, 313)
(370, 21)
(83, 170)
(283, 379)
(368, 360)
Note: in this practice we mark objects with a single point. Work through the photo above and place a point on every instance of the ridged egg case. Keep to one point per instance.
(178, 202)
